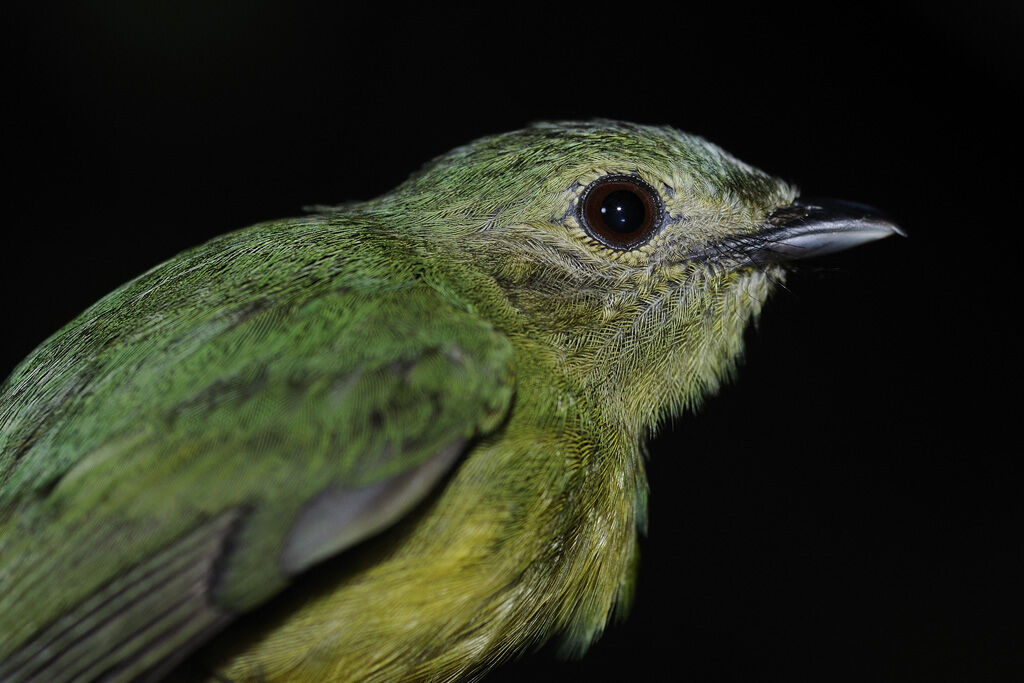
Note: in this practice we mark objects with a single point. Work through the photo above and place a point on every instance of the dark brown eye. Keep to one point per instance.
(620, 211)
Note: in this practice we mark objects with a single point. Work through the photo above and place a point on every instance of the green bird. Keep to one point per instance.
(445, 390)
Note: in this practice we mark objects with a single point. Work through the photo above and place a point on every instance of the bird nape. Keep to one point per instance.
(463, 369)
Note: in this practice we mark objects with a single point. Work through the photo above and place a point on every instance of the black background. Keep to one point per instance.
(849, 509)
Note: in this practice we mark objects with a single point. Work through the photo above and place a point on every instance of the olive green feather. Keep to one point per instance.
(172, 402)
(459, 368)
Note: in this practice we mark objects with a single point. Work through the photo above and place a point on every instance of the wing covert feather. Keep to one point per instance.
(323, 417)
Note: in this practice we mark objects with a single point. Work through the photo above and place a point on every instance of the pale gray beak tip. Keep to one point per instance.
(813, 227)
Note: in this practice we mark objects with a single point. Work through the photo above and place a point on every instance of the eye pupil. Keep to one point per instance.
(623, 211)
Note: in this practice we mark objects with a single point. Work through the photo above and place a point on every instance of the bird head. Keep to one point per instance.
(635, 255)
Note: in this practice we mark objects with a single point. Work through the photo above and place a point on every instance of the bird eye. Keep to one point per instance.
(620, 211)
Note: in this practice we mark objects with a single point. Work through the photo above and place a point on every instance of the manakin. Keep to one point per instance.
(443, 393)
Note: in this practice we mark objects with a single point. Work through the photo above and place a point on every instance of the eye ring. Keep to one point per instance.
(621, 211)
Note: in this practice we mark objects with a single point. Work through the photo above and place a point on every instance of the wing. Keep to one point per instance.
(161, 477)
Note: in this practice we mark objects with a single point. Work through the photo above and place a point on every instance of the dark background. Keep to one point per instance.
(850, 508)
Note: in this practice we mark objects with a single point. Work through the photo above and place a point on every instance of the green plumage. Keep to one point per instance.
(459, 354)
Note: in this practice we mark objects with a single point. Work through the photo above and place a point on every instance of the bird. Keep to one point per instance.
(411, 430)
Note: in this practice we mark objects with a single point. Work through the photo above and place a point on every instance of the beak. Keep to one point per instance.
(812, 227)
